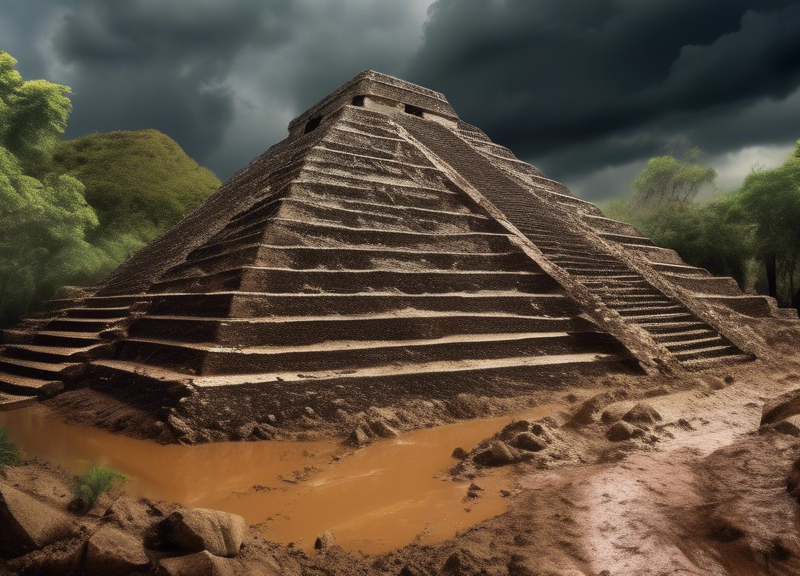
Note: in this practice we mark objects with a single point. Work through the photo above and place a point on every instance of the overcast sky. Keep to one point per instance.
(586, 90)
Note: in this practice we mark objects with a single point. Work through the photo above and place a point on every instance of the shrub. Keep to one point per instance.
(90, 485)
(9, 455)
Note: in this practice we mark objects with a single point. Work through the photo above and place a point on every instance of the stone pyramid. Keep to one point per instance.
(385, 248)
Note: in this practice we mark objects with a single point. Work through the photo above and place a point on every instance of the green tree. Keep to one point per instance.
(771, 201)
(668, 179)
(44, 217)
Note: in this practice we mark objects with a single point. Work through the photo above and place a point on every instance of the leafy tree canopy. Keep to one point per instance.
(668, 179)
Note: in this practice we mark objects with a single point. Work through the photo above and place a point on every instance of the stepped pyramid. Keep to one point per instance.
(384, 249)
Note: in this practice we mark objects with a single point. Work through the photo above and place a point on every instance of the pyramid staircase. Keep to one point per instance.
(371, 254)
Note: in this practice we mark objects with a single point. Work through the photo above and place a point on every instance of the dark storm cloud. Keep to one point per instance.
(545, 76)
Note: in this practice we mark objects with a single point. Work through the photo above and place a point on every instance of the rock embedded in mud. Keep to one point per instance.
(325, 540)
(111, 551)
(642, 413)
(26, 524)
(781, 407)
(358, 437)
(382, 429)
(198, 529)
(622, 431)
(459, 453)
(529, 442)
(498, 454)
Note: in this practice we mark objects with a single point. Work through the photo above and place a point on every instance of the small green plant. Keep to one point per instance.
(9, 455)
(90, 485)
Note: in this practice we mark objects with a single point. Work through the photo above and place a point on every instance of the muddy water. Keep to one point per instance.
(374, 499)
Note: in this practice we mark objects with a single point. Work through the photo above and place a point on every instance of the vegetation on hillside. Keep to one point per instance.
(751, 234)
(71, 211)
(9, 454)
(92, 484)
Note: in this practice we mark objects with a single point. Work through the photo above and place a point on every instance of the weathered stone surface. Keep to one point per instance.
(198, 529)
(514, 428)
(358, 437)
(781, 407)
(199, 564)
(111, 551)
(459, 453)
(498, 454)
(325, 540)
(528, 441)
(621, 431)
(790, 426)
(26, 524)
(383, 429)
(793, 481)
(642, 413)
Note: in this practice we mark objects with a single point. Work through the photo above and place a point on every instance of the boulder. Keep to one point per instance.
(111, 551)
(26, 524)
(358, 437)
(498, 454)
(198, 529)
(528, 441)
(199, 564)
(325, 540)
(459, 453)
(781, 407)
(642, 413)
(382, 429)
(621, 431)
(514, 428)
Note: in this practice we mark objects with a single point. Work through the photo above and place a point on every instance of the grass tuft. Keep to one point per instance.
(96, 481)
(9, 454)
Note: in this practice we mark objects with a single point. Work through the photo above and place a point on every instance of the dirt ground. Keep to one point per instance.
(700, 491)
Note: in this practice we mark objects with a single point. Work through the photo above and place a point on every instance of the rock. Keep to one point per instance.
(111, 551)
(514, 428)
(793, 481)
(26, 524)
(198, 529)
(474, 487)
(325, 540)
(781, 407)
(623, 431)
(358, 437)
(528, 441)
(459, 453)
(180, 428)
(382, 429)
(498, 454)
(790, 426)
(642, 413)
(199, 564)
(613, 413)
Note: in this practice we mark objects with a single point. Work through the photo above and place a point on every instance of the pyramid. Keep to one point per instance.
(385, 249)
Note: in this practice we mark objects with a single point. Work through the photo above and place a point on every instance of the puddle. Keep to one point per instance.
(376, 499)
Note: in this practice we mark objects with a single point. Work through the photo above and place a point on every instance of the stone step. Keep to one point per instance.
(656, 318)
(654, 310)
(679, 269)
(627, 239)
(55, 354)
(14, 401)
(661, 328)
(66, 339)
(618, 271)
(257, 304)
(27, 386)
(335, 258)
(464, 375)
(704, 363)
(712, 351)
(600, 275)
(286, 280)
(110, 313)
(384, 147)
(684, 335)
(72, 324)
(208, 359)
(38, 370)
(404, 325)
(696, 344)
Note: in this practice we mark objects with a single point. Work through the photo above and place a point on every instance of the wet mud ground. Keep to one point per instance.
(702, 492)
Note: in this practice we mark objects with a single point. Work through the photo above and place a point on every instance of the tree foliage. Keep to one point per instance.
(667, 179)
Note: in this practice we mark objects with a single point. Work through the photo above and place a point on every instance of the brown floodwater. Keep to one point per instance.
(374, 499)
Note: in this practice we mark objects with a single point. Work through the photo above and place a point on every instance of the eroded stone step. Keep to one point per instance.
(55, 354)
(345, 355)
(678, 269)
(66, 339)
(696, 344)
(647, 319)
(109, 313)
(719, 351)
(654, 310)
(684, 335)
(14, 401)
(705, 362)
(27, 386)
(286, 280)
(627, 239)
(403, 325)
(72, 324)
(46, 371)
(257, 304)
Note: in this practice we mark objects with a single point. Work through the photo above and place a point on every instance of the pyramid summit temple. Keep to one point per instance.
(385, 249)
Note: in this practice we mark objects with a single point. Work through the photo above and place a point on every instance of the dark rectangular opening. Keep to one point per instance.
(413, 110)
(358, 100)
(312, 124)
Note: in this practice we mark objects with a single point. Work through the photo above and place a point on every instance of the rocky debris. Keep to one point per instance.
(111, 551)
(325, 540)
(473, 491)
(382, 429)
(182, 430)
(26, 524)
(198, 529)
(358, 437)
(642, 413)
(621, 431)
(585, 414)
(459, 453)
(790, 426)
(498, 454)
(514, 428)
(613, 413)
(781, 407)
(528, 441)
(254, 430)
